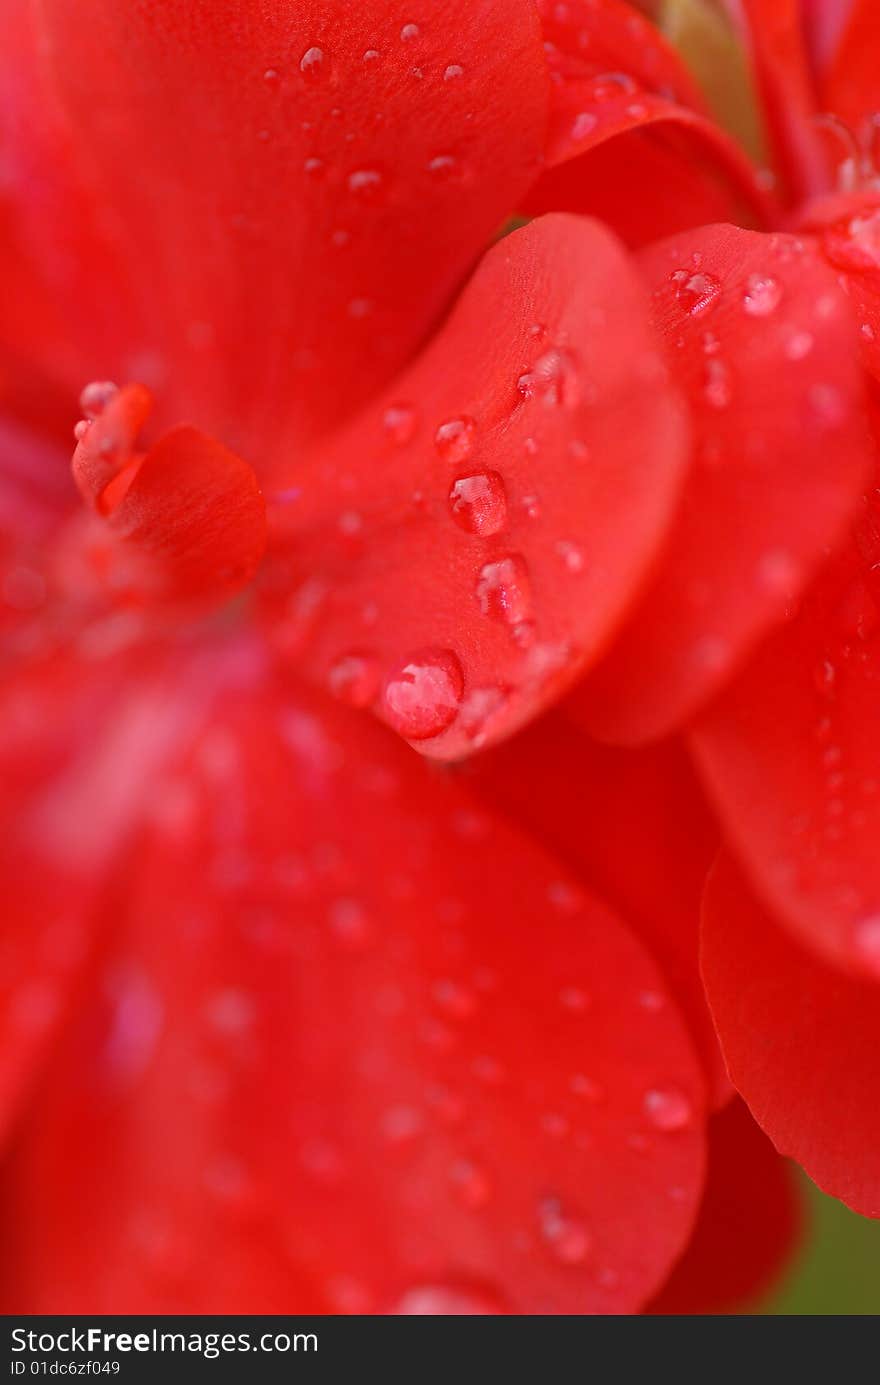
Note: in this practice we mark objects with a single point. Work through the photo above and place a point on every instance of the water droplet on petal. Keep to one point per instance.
(553, 379)
(409, 32)
(454, 439)
(443, 1300)
(96, 396)
(695, 291)
(311, 63)
(354, 679)
(668, 1109)
(584, 124)
(452, 71)
(443, 166)
(762, 295)
(479, 503)
(568, 1238)
(503, 590)
(400, 423)
(867, 943)
(471, 1185)
(366, 183)
(423, 695)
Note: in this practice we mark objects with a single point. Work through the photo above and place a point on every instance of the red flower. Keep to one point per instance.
(294, 1019)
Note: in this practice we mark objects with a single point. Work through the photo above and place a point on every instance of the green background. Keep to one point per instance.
(838, 1270)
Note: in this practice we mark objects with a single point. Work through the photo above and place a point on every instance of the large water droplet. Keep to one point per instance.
(423, 695)
(479, 503)
(668, 1109)
(454, 439)
(503, 590)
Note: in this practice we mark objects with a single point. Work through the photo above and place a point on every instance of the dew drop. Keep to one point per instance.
(471, 1185)
(553, 379)
(400, 422)
(479, 503)
(452, 71)
(503, 590)
(695, 291)
(311, 63)
(584, 124)
(366, 183)
(454, 439)
(354, 679)
(867, 943)
(668, 1109)
(423, 695)
(446, 1300)
(568, 1239)
(409, 32)
(572, 556)
(443, 166)
(96, 396)
(762, 295)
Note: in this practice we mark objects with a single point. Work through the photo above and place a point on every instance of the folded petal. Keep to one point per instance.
(800, 1040)
(188, 513)
(474, 538)
(354, 1047)
(602, 810)
(749, 1226)
(614, 77)
(323, 179)
(791, 758)
(761, 338)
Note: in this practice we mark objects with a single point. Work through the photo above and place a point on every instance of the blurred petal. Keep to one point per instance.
(763, 343)
(800, 1041)
(749, 1225)
(378, 1088)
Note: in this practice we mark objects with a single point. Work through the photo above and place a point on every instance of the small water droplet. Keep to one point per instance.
(443, 166)
(454, 439)
(409, 32)
(572, 556)
(695, 291)
(668, 1109)
(553, 379)
(423, 695)
(583, 125)
(311, 64)
(503, 590)
(96, 396)
(717, 389)
(479, 503)
(867, 943)
(366, 183)
(354, 679)
(400, 422)
(445, 1300)
(371, 55)
(568, 1238)
(452, 71)
(762, 295)
(471, 1185)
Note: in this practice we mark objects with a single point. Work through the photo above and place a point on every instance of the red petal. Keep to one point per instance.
(851, 83)
(322, 181)
(191, 508)
(800, 1041)
(354, 1046)
(775, 33)
(748, 1228)
(614, 77)
(792, 759)
(763, 341)
(600, 810)
(475, 537)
